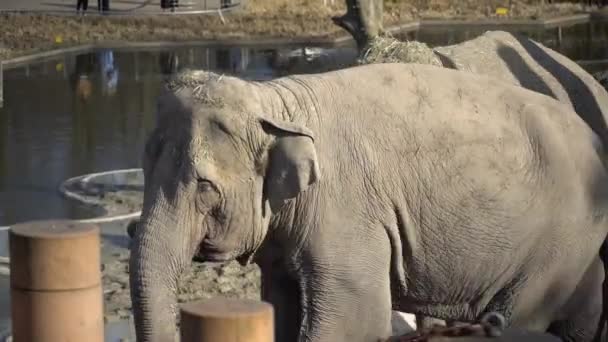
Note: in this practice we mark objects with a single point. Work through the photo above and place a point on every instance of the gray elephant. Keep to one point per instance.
(513, 58)
(522, 61)
(418, 188)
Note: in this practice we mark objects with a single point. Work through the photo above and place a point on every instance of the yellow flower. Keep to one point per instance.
(58, 39)
(502, 11)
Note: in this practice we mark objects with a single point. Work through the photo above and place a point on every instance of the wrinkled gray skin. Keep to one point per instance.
(410, 187)
(521, 61)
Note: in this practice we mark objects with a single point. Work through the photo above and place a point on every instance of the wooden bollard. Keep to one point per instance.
(227, 320)
(56, 282)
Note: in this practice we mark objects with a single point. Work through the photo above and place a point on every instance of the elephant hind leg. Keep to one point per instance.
(583, 310)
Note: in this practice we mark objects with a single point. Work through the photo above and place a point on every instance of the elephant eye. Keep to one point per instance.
(205, 186)
(208, 194)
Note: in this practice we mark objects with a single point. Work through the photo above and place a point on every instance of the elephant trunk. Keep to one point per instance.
(157, 260)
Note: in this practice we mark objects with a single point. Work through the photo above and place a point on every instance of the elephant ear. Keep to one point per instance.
(292, 161)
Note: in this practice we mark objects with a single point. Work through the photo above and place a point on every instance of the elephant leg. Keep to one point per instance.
(279, 289)
(582, 312)
(346, 296)
(131, 228)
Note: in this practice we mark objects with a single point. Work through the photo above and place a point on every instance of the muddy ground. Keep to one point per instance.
(24, 33)
(201, 281)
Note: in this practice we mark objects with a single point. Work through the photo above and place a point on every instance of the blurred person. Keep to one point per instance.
(109, 72)
(82, 4)
(103, 5)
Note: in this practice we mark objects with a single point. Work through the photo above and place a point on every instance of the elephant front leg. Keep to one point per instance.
(346, 303)
(279, 289)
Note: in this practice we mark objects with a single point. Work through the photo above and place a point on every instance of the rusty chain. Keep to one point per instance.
(491, 325)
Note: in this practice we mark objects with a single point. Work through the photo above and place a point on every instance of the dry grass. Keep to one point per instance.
(261, 18)
(391, 50)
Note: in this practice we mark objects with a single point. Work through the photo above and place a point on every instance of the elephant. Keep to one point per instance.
(522, 61)
(519, 60)
(387, 186)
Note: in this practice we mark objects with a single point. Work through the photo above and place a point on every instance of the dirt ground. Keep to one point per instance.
(25, 33)
(201, 281)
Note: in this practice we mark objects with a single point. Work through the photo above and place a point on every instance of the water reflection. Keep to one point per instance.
(169, 62)
(92, 111)
(80, 78)
(109, 72)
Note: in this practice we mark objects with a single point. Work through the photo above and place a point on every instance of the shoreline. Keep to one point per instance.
(328, 40)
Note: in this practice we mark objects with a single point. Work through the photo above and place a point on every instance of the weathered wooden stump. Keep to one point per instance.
(227, 320)
(55, 280)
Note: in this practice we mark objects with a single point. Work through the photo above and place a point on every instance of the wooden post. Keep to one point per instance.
(227, 320)
(56, 282)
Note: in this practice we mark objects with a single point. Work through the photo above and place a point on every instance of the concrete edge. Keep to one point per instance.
(561, 20)
(63, 187)
(130, 12)
(76, 197)
(17, 61)
(134, 46)
(316, 41)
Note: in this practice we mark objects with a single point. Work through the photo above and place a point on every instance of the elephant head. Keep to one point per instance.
(216, 174)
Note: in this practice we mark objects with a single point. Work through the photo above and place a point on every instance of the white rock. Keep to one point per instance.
(402, 323)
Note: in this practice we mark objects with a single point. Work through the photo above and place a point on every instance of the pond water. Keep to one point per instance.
(88, 113)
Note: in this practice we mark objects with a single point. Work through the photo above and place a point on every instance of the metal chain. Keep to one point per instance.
(491, 325)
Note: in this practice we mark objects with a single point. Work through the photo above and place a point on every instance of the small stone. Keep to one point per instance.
(224, 288)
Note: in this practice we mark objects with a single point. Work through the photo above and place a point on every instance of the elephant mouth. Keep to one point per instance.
(210, 256)
(215, 257)
(208, 252)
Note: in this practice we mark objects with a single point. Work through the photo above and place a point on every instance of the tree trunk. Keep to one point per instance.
(363, 20)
